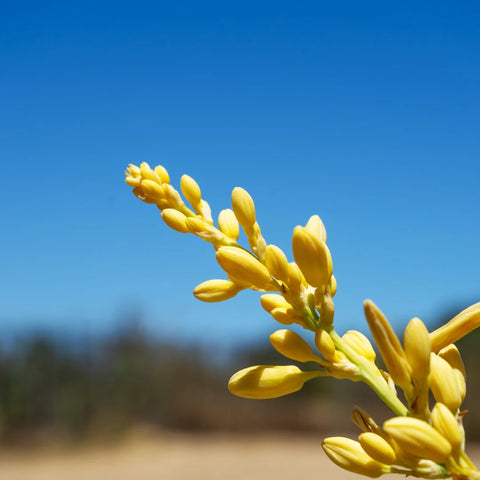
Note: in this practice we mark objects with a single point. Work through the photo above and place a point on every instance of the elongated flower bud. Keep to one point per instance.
(445, 422)
(175, 220)
(389, 345)
(463, 323)
(270, 301)
(451, 355)
(276, 262)
(286, 316)
(162, 174)
(377, 447)
(292, 346)
(191, 191)
(417, 348)
(243, 266)
(243, 207)
(312, 256)
(265, 381)
(316, 227)
(228, 224)
(364, 421)
(360, 343)
(349, 455)
(295, 278)
(444, 384)
(325, 345)
(418, 438)
(216, 290)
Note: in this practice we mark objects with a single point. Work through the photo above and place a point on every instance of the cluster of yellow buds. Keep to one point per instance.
(420, 440)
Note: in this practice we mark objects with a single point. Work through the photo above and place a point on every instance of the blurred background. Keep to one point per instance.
(365, 113)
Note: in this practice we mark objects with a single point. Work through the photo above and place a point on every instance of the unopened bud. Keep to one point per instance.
(216, 290)
(264, 381)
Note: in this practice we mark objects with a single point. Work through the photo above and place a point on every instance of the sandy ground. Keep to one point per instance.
(182, 457)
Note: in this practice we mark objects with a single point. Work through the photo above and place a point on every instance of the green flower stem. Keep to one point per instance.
(368, 375)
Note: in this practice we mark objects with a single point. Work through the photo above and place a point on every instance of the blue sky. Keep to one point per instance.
(365, 113)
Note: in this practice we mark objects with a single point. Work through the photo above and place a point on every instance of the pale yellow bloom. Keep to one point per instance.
(265, 381)
(312, 256)
(451, 354)
(349, 454)
(292, 346)
(377, 447)
(216, 290)
(418, 438)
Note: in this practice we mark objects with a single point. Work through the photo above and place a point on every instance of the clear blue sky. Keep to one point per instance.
(366, 113)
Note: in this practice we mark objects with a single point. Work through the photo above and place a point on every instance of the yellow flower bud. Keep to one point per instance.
(286, 316)
(364, 421)
(270, 301)
(243, 207)
(349, 455)
(228, 224)
(445, 422)
(417, 348)
(175, 220)
(463, 323)
(143, 195)
(312, 256)
(389, 346)
(444, 383)
(191, 191)
(359, 343)
(172, 196)
(162, 174)
(242, 265)
(325, 345)
(418, 438)
(333, 285)
(147, 173)
(153, 189)
(295, 278)
(292, 346)
(216, 290)
(316, 227)
(276, 262)
(265, 381)
(206, 212)
(377, 447)
(451, 354)
(133, 181)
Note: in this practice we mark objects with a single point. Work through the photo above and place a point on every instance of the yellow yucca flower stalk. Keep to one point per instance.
(267, 381)
(417, 441)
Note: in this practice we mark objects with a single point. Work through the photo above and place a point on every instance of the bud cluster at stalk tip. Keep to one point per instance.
(422, 379)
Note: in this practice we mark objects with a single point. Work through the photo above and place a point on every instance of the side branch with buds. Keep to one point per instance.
(421, 440)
